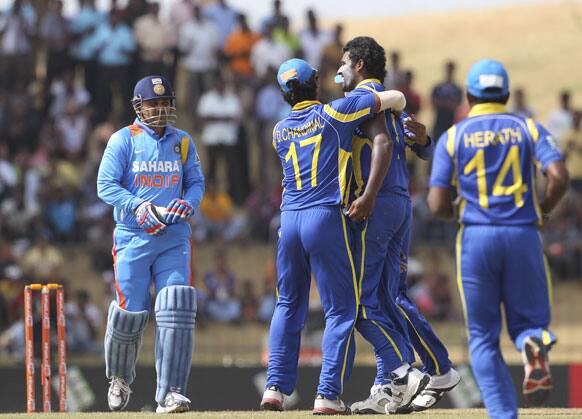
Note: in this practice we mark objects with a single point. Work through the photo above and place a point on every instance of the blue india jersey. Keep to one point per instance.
(396, 180)
(314, 144)
(138, 166)
(490, 158)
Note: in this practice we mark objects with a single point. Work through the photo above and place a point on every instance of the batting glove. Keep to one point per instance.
(177, 210)
(149, 219)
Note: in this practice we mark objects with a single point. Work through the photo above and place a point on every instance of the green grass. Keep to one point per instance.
(436, 413)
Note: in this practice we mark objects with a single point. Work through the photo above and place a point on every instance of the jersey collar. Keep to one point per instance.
(168, 131)
(304, 105)
(487, 108)
(368, 81)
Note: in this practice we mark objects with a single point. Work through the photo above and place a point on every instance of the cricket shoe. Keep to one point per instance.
(436, 388)
(537, 382)
(404, 389)
(272, 399)
(323, 406)
(118, 394)
(174, 403)
(375, 403)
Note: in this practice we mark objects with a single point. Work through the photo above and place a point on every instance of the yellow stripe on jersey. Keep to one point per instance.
(184, 149)
(363, 264)
(549, 281)
(422, 342)
(487, 108)
(533, 130)
(459, 274)
(346, 117)
(370, 88)
(343, 159)
(358, 144)
(451, 134)
(361, 84)
(355, 285)
(389, 339)
(394, 126)
(305, 104)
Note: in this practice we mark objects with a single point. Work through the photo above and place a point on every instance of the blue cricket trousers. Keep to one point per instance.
(501, 265)
(314, 240)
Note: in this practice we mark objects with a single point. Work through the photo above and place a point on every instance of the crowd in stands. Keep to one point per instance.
(65, 85)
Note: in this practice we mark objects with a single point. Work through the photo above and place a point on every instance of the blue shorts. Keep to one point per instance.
(139, 257)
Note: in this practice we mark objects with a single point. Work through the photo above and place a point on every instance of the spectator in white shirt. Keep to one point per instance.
(560, 121)
(221, 111)
(71, 128)
(155, 40)
(268, 52)
(313, 40)
(200, 45)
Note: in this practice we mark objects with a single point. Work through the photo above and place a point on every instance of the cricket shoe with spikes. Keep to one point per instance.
(537, 382)
(436, 388)
(272, 399)
(118, 394)
(174, 403)
(323, 406)
(375, 403)
(404, 389)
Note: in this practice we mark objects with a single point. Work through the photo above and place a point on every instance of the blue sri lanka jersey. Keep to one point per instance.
(138, 166)
(314, 144)
(490, 158)
(396, 180)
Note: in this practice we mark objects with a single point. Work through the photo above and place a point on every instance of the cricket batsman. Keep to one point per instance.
(314, 144)
(150, 173)
(383, 247)
(490, 160)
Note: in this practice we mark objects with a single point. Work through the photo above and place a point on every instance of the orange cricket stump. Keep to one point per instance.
(46, 373)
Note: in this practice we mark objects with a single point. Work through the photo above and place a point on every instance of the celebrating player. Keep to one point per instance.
(150, 173)
(490, 159)
(314, 145)
(384, 241)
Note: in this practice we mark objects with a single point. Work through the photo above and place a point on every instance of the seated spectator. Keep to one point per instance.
(71, 130)
(216, 218)
(572, 149)
(520, 106)
(83, 322)
(431, 293)
(64, 90)
(248, 300)
(43, 261)
(262, 206)
(269, 298)
(222, 304)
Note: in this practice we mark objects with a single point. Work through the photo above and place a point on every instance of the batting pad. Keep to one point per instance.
(122, 341)
(175, 316)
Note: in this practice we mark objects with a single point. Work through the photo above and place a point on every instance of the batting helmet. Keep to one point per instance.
(152, 88)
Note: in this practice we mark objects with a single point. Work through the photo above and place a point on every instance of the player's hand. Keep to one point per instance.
(413, 129)
(177, 210)
(149, 218)
(361, 208)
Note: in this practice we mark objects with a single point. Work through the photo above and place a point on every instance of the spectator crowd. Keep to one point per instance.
(65, 85)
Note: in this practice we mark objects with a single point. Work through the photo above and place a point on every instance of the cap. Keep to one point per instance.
(487, 79)
(294, 69)
(153, 87)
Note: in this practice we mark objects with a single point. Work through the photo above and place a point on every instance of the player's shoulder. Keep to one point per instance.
(180, 133)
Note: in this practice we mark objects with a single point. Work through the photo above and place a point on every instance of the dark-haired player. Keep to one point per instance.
(150, 173)
(314, 144)
(383, 248)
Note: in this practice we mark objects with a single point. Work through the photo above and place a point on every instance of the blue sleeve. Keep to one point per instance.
(129, 44)
(423, 152)
(545, 148)
(349, 112)
(111, 171)
(443, 166)
(193, 177)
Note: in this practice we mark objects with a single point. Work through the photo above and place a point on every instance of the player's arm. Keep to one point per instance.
(389, 99)
(382, 146)
(552, 165)
(422, 144)
(111, 169)
(441, 190)
(558, 181)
